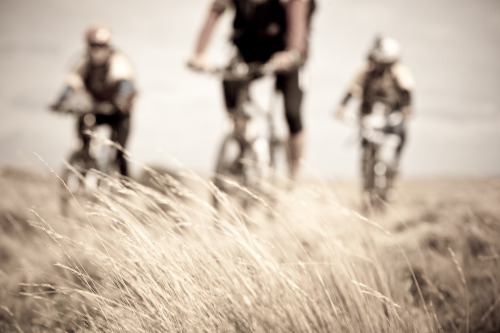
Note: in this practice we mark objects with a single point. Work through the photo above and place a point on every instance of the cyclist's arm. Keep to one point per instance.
(406, 84)
(215, 12)
(297, 12)
(124, 97)
(73, 82)
(121, 75)
(355, 89)
(406, 108)
(74, 79)
(297, 16)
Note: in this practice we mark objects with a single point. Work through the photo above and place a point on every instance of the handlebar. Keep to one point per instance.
(373, 120)
(79, 109)
(241, 71)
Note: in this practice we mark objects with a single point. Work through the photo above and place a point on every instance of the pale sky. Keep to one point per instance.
(452, 47)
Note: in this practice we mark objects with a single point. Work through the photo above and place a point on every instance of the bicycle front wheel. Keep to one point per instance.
(229, 167)
(79, 177)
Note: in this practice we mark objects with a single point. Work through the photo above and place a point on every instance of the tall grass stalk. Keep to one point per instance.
(162, 260)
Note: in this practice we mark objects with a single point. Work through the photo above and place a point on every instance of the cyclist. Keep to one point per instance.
(107, 76)
(383, 78)
(273, 31)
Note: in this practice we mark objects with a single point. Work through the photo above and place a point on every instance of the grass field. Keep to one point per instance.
(153, 256)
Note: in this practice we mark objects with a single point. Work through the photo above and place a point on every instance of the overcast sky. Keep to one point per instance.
(452, 47)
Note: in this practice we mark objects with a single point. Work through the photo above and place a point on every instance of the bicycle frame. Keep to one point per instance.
(247, 152)
(379, 156)
(85, 165)
(379, 151)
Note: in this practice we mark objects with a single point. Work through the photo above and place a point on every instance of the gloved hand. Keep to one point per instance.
(198, 63)
(57, 106)
(284, 61)
(406, 112)
(339, 113)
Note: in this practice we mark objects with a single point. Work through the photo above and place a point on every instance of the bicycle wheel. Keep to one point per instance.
(280, 160)
(79, 177)
(389, 158)
(229, 168)
(371, 199)
(368, 166)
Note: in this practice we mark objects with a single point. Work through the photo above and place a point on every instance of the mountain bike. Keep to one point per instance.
(251, 147)
(84, 167)
(381, 139)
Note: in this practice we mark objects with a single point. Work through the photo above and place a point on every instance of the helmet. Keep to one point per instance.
(98, 34)
(386, 50)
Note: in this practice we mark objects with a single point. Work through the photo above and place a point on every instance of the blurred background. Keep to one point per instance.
(451, 46)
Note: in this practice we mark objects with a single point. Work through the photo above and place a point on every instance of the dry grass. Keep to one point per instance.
(157, 258)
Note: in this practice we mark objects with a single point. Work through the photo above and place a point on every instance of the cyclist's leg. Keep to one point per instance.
(120, 132)
(370, 202)
(367, 166)
(402, 134)
(288, 84)
(120, 128)
(393, 169)
(82, 126)
(233, 91)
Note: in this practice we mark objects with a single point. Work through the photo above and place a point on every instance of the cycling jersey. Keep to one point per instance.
(391, 85)
(259, 26)
(113, 82)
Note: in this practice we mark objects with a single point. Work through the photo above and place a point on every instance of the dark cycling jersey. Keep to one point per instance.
(391, 85)
(259, 27)
(113, 82)
(381, 86)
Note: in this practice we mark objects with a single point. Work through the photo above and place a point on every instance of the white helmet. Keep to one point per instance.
(385, 51)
